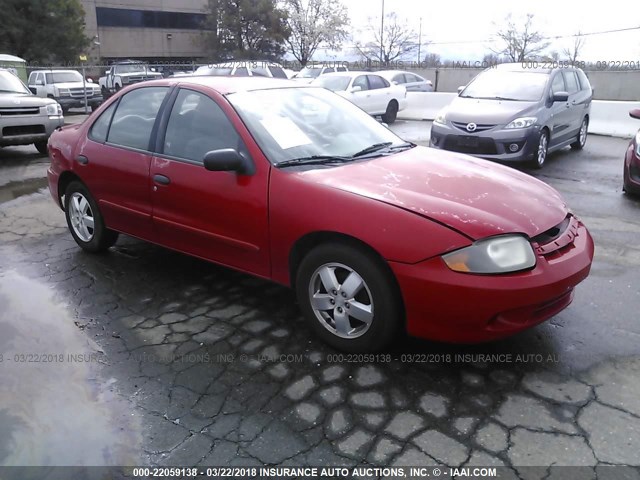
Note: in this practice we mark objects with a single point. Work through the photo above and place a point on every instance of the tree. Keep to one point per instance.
(432, 60)
(43, 31)
(574, 50)
(245, 29)
(520, 43)
(315, 22)
(397, 40)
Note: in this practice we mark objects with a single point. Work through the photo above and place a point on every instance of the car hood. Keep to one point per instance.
(148, 73)
(475, 197)
(488, 112)
(18, 100)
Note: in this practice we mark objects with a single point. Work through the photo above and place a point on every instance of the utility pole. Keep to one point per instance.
(420, 42)
(381, 33)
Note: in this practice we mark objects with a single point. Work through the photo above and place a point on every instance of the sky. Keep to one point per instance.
(475, 22)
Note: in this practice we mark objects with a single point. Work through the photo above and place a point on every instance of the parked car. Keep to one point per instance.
(631, 173)
(309, 74)
(513, 113)
(244, 68)
(411, 81)
(371, 92)
(124, 73)
(66, 87)
(297, 185)
(24, 117)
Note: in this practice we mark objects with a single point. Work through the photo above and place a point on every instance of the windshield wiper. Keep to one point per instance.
(313, 160)
(372, 149)
(501, 98)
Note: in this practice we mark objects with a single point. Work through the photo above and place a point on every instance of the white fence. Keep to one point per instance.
(607, 117)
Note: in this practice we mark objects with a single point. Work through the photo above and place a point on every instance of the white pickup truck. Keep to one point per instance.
(65, 87)
(369, 91)
(126, 73)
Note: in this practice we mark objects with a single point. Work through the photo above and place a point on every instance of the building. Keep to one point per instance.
(154, 30)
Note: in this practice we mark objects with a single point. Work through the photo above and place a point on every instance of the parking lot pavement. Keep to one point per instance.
(190, 363)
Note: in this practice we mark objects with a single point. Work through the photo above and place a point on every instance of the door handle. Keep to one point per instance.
(82, 160)
(161, 180)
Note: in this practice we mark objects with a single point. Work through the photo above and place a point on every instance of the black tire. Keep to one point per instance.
(101, 237)
(391, 114)
(41, 146)
(379, 290)
(538, 159)
(580, 142)
(118, 87)
(105, 92)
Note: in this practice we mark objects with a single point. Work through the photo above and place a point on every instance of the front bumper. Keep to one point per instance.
(71, 102)
(27, 129)
(492, 144)
(444, 305)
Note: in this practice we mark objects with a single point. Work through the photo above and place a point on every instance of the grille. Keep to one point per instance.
(23, 130)
(479, 127)
(477, 146)
(6, 111)
(78, 93)
(555, 240)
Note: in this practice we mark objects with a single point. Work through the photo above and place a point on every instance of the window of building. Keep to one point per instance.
(132, 18)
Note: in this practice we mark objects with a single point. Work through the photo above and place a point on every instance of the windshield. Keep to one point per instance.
(132, 68)
(310, 72)
(63, 77)
(9, 83)
(335, 83)
(507, 85)
(291, 123)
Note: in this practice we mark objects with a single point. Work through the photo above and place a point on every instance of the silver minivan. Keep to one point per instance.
(517, 112)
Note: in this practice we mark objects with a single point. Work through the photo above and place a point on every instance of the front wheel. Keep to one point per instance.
(540, 155)
(349, 298)
(85, 221)
(582, 136)
(41, 146)
(392, 112)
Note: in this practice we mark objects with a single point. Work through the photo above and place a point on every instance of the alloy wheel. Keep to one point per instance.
(341, 300)
(81, 215)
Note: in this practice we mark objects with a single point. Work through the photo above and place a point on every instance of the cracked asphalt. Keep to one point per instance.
(143, 356)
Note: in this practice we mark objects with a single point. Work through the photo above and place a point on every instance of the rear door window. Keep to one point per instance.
(135, 116)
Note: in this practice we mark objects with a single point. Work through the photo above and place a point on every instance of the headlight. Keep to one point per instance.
(54, 110)
(441, 117)
(523, 122)
(502, 254)
(62, 92)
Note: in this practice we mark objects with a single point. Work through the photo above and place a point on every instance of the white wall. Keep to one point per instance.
(607, 117)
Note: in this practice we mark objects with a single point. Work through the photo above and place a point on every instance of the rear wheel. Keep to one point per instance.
(85, 221)
(42, 147)
(582, 136)
(542, 150)
(348, 298)
(392, 112)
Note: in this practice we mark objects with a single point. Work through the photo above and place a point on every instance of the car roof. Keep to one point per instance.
(227, 85)
(349, 73)
(48, 70)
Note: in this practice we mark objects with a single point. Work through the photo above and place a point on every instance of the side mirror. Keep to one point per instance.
(635, 113)
(355, 89)
(560, 97)
(227, 160)
(395, 82)
(460, 89)
(89, 80)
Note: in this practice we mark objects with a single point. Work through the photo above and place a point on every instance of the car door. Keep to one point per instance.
(363, 97)
(219, 216)
(579, 100)
(560, 112)
(41, 88)
(115, 160)
(381, 94)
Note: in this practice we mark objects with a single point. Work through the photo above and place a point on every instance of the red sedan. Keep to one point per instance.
(631, 173)
(295, 184)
